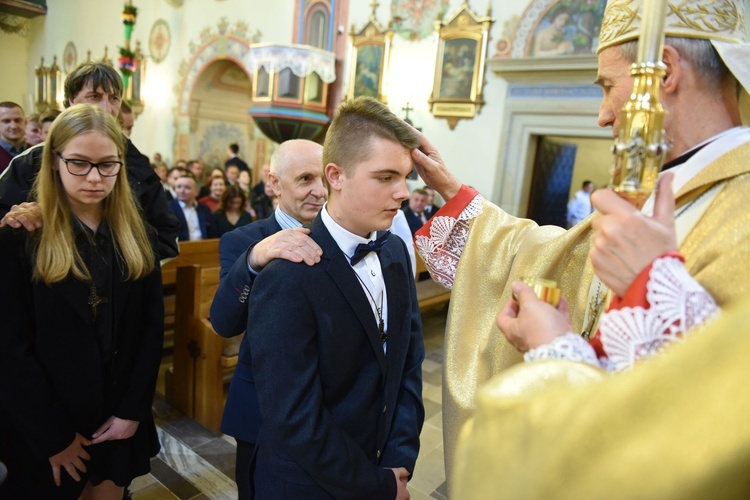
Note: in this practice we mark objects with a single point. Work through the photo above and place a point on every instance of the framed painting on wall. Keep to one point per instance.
(459, 70)
(371, 48)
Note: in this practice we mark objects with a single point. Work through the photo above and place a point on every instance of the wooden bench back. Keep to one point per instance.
(196, 290)
(202, 253)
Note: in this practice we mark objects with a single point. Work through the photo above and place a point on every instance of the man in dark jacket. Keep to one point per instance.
(98, 84)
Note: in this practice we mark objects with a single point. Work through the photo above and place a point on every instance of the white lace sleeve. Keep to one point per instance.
(445, 244)
(570, 346)
(677, 304)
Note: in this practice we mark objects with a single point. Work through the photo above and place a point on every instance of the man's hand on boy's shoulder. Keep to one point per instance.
(27, 214)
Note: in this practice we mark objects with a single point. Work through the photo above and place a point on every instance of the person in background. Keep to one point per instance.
(33, 132)
(232, 173)
(216, 186)
(163, 174)
(430, 206)
(194, 217)
(82, 338)
(263, 204)
(12, 130)
(243, 182)
(231, 213)
(197, 168)
(45, 120)
(260, 188)
(415, 214)
(579, 206)
(233, 150)
(126, 119)
(174, 174)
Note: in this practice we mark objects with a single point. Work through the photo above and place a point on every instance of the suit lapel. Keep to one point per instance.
(397, 292)
(343, 276)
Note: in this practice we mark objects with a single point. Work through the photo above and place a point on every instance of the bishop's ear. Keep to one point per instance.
(674, 63)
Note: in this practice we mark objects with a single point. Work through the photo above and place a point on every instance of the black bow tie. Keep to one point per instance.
(363, 249)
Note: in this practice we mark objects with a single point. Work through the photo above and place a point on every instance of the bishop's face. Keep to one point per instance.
(617, 84)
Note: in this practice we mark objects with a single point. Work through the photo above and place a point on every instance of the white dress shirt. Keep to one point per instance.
(368, 269)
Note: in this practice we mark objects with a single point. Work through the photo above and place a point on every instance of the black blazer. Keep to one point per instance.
(51, 380)
(229, 318)
(336, 410)
(204, 220)
(413, 220)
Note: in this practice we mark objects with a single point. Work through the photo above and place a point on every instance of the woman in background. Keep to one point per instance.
(83, 323)
(231, 213)
(216, 185)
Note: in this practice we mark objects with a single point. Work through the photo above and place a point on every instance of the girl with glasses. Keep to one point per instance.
(83, 314)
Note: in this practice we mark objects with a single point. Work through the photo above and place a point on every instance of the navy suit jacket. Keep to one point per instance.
(229, 318)
(337, 412)
(413, 219)
(204, 220)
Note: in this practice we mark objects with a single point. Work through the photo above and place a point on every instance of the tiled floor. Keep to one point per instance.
(197, 464)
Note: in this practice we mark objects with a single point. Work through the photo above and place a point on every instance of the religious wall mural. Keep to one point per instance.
(459, 61)
(415, 19)
(367, 76)
(552, 28)
(568, 27)
(369, 59)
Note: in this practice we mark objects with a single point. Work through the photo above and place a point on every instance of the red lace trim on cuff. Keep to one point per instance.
(635, 296)
(452, 208)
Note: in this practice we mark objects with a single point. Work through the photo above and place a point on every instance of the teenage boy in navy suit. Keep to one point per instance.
(337, 347)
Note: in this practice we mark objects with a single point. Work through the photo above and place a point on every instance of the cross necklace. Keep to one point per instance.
(94, 299)
(379, 310)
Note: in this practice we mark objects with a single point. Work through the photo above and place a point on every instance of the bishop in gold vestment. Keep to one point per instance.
(480, 250)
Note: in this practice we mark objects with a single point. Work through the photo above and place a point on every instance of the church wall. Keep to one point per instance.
(92, 24)
(472, 149)
(14, 53)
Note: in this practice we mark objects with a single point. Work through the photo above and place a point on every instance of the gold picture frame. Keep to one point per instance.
(370, 57)
(459, 70)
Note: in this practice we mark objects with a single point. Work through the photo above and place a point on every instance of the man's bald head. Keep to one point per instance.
(295, 151)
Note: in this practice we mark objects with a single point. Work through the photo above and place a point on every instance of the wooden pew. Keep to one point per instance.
(203, 360)
(202, 253)
(429, 292)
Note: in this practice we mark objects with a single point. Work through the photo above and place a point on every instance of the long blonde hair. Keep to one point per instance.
(56, 253)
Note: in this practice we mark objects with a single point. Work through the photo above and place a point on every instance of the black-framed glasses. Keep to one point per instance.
(83, 167)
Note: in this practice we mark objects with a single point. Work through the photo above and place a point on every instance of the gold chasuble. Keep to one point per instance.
(501, 249)
(674, 427)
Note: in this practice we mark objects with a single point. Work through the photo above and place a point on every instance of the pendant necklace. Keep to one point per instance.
(381, 323)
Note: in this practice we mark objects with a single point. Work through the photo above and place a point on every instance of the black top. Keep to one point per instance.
(97, 252)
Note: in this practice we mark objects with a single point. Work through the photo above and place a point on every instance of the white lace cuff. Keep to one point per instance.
(677, 304)
(571, 347)
(446, 242)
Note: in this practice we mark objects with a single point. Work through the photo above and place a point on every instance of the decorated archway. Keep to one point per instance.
(223, 43)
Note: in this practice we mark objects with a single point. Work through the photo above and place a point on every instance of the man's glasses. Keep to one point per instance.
(83, 167)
